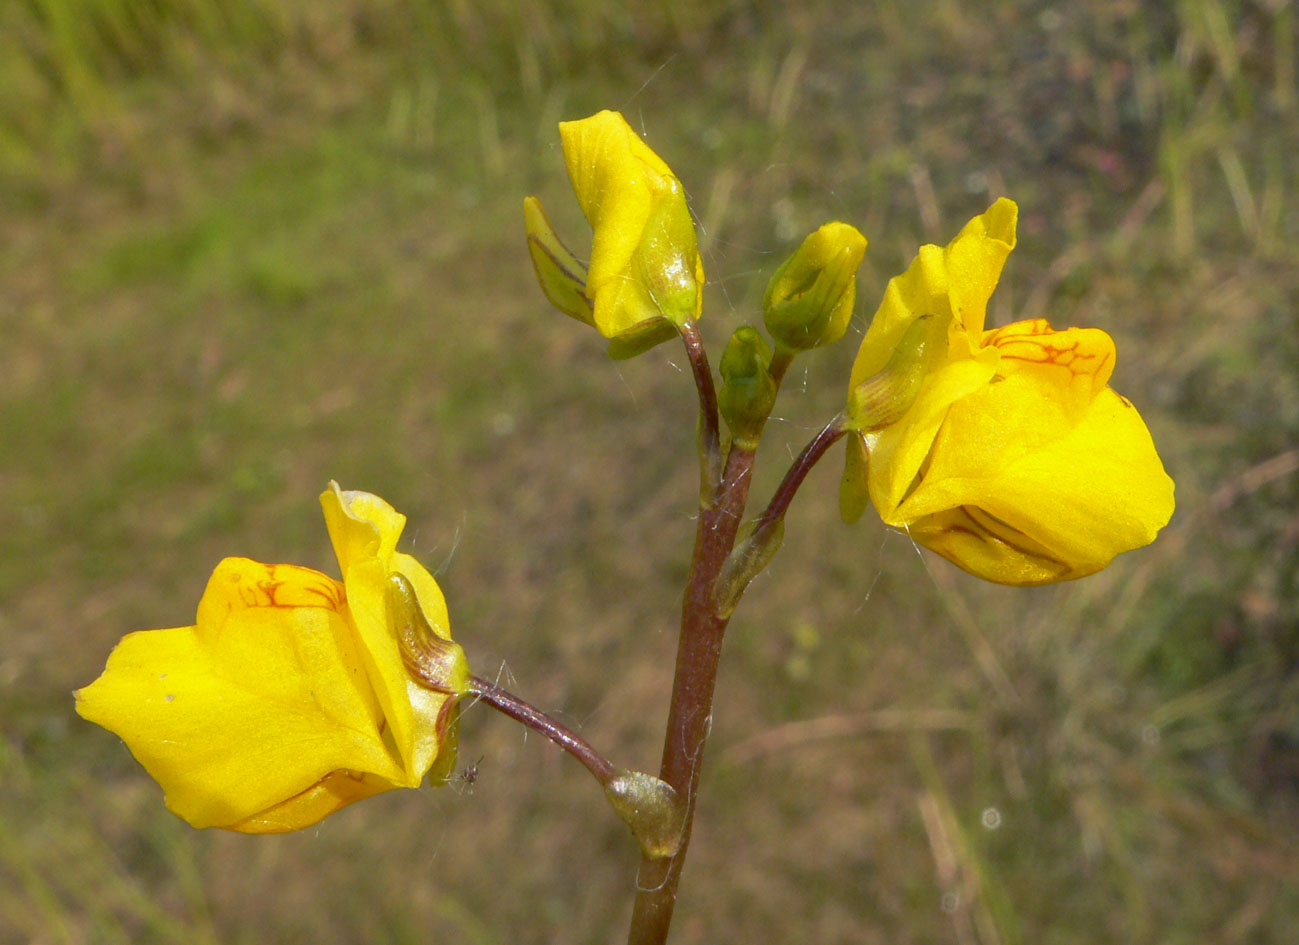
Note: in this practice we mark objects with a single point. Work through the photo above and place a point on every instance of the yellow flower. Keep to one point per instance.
(645, 277)
(1014, 459)
(290, 697)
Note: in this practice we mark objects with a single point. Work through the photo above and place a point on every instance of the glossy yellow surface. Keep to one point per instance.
(1015, 459)
(288, 698)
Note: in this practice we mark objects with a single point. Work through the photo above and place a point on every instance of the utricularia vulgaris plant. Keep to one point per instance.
(1005, 451)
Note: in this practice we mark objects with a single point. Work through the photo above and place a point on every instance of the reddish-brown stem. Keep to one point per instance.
(710, 450)
(539, 721)
(691, 713)
(830, 434)
(781, 359)
(702, 629)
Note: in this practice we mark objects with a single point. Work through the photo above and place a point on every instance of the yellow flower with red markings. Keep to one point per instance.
(1003, 450)
(293, 694)
(646, 277)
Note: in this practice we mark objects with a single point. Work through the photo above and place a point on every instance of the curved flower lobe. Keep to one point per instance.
(288, 698)
(1015, 460)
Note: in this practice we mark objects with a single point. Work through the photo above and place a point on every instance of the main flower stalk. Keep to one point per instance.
(690, 717)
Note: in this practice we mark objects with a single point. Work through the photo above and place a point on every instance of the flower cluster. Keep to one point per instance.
(1003, 450)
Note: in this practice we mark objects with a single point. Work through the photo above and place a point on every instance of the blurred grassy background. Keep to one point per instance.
(248, 246)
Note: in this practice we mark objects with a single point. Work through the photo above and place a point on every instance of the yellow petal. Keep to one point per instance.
(262, 699)
(1073, 365)
(331, 793)
(955, 280)
(365, 530)
(1066, 479)
(974, 261)
(362, 526)
(617, 180)
(899, 450)
(989, 548)
(645, 261)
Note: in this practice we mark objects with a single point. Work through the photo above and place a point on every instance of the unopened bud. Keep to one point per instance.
(748, 389)
(809, 300)
(433, 661)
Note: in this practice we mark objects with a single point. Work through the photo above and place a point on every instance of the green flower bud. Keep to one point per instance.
(748, 390)
(809, 300)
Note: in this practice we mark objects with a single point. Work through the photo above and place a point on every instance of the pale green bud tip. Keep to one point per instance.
(748, 389)
(433, 661)
(810, 298)
(562, 275)
(883, 398)
(648, 805)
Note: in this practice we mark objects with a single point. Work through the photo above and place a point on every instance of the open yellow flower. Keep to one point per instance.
(290, 697)
(645, 277)
(1014, 460)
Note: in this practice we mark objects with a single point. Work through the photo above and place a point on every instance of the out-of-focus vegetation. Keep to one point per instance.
(246, 247)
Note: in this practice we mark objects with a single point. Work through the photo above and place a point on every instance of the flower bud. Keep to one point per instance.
(748, 390)
(645, 277)
(810, 298)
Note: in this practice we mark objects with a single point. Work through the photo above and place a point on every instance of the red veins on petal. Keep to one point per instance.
(284, 587)
(1085, 353)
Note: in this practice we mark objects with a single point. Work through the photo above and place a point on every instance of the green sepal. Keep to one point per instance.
(667, 259)
(433, 661)
(854, 491)
(640, 338)
(883, 398)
